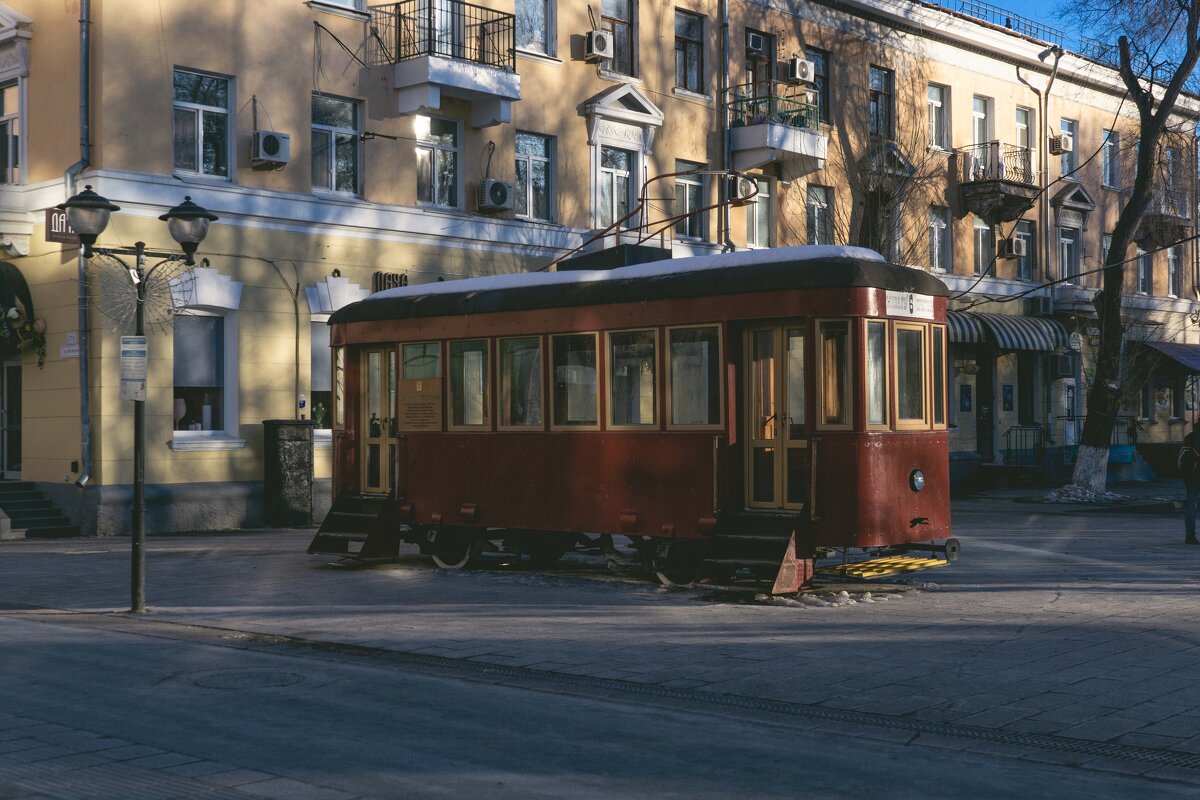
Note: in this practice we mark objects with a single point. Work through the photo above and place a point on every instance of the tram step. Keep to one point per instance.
(336, 543)
(882, 567)
(368, 522)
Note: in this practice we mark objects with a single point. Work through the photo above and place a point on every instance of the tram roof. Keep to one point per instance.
(779, 268)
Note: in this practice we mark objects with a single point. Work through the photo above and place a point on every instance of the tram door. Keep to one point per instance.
(777, 445)
(378, 415)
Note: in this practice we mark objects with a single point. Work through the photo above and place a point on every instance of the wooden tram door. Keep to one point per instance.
(378, 420)
(777, 444)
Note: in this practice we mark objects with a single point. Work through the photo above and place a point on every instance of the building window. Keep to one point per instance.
(533, 187)
(939, 239)
(1111, 149)
(689, 51)
(335, 140)
(1097, 278)
(1024, 126)
(985, 245)
(1145, 271)
(938, 130)
(10, 133)
(1068, 254)
(820, 60)
(819, 214)
(199, 372)
(535, 20)
(1174, 273)
(760, 63)
(320, 387)
(1145, 401)
(981, 119)
(759, 227)
(689, 200)
(437, 161)
(616, 189)
(617, 17)
(1177, 196)
(1066, 162)
(1027, 262)
(882, 102)
(201, 123)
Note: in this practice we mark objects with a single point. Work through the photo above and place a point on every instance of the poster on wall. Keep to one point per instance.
(1008, 397)
(964, 397)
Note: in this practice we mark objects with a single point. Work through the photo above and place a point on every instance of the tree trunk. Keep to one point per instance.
(1091, 468)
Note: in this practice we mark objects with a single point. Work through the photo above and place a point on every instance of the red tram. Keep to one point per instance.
(711, 409)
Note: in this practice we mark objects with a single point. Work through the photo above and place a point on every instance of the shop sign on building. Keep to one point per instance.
(58, 229)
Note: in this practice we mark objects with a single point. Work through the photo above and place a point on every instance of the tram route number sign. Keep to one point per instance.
(133, 367)
(907, 304)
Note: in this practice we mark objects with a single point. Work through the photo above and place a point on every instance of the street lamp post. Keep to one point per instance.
(187, 223)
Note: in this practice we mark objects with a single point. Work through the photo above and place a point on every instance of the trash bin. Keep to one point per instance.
(288, 472)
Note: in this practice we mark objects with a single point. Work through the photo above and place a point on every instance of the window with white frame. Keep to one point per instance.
(819, 214)
(1024, 127)
(437, 161)
(985, 247)
(616, 186)
(10, 133)
(199, 373)
(1066, 162)
(336, 133)
(820, 81)
(760, 228)
(689, 51)
(620, 19)
(881, 99)
(1110, 172)
(1145, 272)
(689, 200)
(1026, 264)
(981, 119)
(1174, 272)
(535, 26)
(201, 123)
(938, 129)
(1068, 254)
(533, 188)
(939, 239)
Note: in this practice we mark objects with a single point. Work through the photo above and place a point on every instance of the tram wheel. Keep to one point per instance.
(680, 566)
(456, 552)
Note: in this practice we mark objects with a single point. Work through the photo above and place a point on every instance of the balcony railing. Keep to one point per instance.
(778, 109)
(1170, 203)
(415, 28)
(996, 161)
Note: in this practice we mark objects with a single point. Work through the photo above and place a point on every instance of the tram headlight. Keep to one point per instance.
(916, 480)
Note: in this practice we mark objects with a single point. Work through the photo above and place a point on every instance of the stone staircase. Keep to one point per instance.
(27, 514)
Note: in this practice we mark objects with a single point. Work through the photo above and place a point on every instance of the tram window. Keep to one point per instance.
(632, 368)
(422, 361)
(695, 385)
(575, 391)
(877, 374)
(339, 387)
(910, 375)
(835, 373)
(521, 382)
(939, 376)
(469, 384)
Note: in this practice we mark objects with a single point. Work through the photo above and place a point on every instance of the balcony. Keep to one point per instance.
(1167, 219)
(997, 180)
(438, 48)
(777, 129)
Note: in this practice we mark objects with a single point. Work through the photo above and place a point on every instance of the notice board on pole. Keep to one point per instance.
(133, 368)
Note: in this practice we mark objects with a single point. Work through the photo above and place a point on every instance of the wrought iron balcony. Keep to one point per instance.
(777, 128)
(997, 180)
(437, 47)
(1167, 220)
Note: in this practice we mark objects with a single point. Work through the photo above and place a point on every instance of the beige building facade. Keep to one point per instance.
(347, 148)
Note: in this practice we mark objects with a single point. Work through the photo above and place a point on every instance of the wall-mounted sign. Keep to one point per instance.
(58, 229)
(388, 280)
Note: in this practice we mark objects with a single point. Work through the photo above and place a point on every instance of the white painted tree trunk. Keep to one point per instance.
(1091, 468)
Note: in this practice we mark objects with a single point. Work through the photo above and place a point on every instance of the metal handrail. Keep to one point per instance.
(996, 161)
(1125, 429)
(1023, 445)
(778, 109)
(414, 28)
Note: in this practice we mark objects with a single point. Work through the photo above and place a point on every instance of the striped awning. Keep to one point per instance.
(1011, 332)
(964, 328)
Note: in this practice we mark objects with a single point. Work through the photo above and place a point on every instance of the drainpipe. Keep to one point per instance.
(72, 172)
(726, 137)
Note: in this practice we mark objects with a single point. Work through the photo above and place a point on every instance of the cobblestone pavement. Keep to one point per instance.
(1062, 636)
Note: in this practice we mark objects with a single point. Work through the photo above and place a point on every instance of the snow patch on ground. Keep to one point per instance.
(830, 600)
(1078, 494)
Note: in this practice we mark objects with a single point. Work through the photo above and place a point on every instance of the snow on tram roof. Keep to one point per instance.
(668, 266)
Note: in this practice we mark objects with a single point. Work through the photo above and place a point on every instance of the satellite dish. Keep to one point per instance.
(167, 286)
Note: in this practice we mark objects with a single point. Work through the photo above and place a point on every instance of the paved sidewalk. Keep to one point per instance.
(1078, 628)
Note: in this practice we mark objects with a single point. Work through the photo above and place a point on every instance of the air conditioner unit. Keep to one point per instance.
(801, 71)
(756, 43)
(598, 46)
(268, 148)
(1062, 365)
(495, 195)
(741, 190)
(1061, 144)
(1013, 248)
(1039, 305)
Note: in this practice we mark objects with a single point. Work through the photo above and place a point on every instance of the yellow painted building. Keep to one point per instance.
(346, 148)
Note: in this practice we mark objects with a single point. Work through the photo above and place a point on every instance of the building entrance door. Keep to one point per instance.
(777, 444)
(378, 415)
(10, 419)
